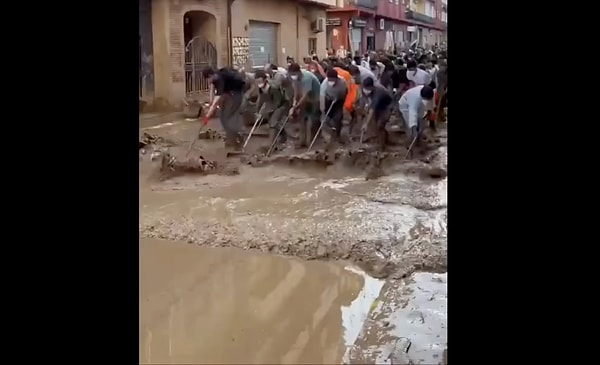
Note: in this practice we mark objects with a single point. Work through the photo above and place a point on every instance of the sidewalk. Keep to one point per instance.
(147, 120)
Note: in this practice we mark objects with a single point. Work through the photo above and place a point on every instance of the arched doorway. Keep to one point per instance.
(200, 36)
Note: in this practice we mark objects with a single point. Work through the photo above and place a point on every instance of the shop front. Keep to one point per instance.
(351, 32)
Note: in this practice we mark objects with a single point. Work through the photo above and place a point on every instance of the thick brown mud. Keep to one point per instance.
(350, 205)
(390, 226)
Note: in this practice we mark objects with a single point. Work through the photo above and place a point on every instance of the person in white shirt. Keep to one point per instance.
(413, 105)
(415, 75)
(433, 69)
(377, 68)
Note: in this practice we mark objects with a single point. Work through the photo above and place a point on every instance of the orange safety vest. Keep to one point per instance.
(435, 101)
(352, 88)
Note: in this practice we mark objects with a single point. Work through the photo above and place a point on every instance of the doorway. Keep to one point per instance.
(370, 41)
(199, 34)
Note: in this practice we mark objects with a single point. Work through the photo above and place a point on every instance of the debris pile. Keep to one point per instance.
(149, 139)
(171, 167)
(211, 135)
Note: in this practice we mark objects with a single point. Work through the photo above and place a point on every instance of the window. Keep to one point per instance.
(428, 9)
(312, 45)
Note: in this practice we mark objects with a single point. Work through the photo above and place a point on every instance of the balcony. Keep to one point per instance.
(325, 3)
(367, 4)
(412, 15)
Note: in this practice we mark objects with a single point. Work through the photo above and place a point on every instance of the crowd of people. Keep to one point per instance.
(319, 95)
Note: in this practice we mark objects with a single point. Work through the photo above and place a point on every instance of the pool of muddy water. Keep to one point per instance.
(209, 305)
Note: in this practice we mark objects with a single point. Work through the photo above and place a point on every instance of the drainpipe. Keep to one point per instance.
(229, 35)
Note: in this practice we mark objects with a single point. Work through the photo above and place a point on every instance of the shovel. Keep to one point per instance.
(277, 136)
(320, 126)
(411, 146)
(258, 119)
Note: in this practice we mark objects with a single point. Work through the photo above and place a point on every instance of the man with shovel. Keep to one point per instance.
(305, 106)
(380, 107)
(229, 86)
(332, 96)
(413, 105)
(274, 106)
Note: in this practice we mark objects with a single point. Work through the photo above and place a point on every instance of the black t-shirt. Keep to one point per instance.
(381, 99)
(228, 81)
(399, 77)
(386, 79)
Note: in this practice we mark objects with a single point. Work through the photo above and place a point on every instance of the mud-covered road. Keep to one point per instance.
(390, 227)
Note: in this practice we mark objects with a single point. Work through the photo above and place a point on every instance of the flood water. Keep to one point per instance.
(220, 305)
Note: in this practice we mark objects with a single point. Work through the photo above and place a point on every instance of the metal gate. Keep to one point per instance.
(146, 67)
(199, 53)
(262, 42)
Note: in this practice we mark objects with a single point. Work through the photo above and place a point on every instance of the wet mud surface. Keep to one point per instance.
(350, 205)
(302, 205)
(408, 324)
(203, 305)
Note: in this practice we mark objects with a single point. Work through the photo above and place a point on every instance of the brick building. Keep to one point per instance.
(369, 25)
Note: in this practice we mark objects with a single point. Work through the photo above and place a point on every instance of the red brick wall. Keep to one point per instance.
(390, 10)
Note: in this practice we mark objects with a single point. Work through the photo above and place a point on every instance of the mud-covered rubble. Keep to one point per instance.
(394, 257)
(172, 167)
(373, 163)
(151, 141)
(374, 244)
(211, 135)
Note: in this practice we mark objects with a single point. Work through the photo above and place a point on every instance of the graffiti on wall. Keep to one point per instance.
(241, 51)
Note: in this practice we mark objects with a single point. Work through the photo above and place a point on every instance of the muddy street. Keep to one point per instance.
(233, 306)
(285, 262)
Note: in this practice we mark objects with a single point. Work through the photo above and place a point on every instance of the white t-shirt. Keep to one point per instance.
(419, 77)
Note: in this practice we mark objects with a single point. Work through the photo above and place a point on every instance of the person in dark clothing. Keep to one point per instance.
(380, 106)
(273, 104)
(400, 84)
(228, 85)
(386, 75)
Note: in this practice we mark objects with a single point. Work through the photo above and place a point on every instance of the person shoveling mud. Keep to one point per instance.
(229, 87)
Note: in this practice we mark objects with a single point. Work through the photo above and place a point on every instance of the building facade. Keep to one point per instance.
(351, 26)
(424, 17)
(178, 38)
(358, 26)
